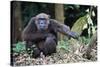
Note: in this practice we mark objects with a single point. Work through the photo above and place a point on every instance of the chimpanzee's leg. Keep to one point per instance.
(46, 46)
(36, 52)
(49, 46)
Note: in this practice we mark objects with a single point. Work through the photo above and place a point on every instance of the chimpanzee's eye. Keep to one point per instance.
(42, 20)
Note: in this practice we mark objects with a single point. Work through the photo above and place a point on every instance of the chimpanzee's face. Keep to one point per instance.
(42, 21)
(42, 24)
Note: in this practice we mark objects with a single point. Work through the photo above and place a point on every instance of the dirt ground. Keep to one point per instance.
(62, 56)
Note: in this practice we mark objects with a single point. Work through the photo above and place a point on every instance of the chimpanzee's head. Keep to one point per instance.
(42, 21)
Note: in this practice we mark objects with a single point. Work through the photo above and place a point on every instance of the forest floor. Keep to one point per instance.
(62, 56)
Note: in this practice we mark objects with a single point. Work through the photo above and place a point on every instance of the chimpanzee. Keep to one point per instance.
(42, 31)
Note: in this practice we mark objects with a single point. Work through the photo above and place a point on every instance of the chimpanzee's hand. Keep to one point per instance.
(73, 35)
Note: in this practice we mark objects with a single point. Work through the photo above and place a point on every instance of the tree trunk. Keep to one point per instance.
(16, 22)
(15, 25)
(59, 15)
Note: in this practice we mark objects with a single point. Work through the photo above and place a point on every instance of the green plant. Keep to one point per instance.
(19, 47)
(63, 45)
(84, 40)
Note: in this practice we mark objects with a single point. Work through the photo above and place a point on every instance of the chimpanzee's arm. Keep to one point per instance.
(64, 29)
(34, 36)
